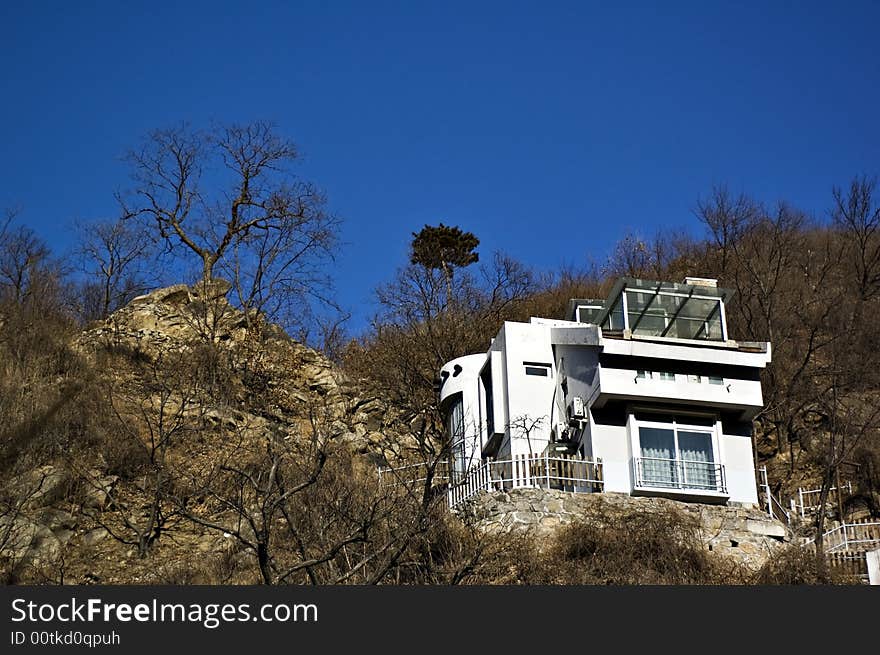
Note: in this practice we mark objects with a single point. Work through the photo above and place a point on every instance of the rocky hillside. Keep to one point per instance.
(189, 387)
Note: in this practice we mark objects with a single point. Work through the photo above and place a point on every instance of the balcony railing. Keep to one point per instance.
(563, 472)
(681, 474)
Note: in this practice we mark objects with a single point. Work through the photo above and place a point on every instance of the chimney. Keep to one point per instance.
(701, 282)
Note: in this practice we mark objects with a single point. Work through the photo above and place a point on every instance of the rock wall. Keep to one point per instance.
(746, 535)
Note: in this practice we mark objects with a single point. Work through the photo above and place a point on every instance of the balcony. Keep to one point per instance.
(679, 475)
(561, 472)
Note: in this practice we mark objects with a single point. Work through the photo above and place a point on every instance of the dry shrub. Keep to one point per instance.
(610, 546)
(223, 568)
(796, 565)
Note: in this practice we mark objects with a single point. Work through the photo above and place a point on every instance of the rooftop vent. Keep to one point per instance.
(701, 282)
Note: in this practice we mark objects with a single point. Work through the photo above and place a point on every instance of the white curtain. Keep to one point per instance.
(658, 457)
(699, 464)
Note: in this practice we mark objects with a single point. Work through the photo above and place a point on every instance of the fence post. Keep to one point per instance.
(801, 498)
(547, 468)
(766, 481)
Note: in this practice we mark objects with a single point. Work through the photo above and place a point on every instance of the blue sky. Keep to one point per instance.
(548, 129)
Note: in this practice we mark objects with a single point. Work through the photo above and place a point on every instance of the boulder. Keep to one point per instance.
(93, 537)
(41, 486)
(98, 491)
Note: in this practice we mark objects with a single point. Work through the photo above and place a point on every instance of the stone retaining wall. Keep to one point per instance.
(745, 534)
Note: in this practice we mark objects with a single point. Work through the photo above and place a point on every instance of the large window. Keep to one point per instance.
(661, 312)
(455, 432)
(677, 452)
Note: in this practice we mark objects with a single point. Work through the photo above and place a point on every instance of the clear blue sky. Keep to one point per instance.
(546, 128)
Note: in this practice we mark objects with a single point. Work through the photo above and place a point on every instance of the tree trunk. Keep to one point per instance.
(263, 560)
(208, 262)
(105, 310)
(821, 564)
(447, 276)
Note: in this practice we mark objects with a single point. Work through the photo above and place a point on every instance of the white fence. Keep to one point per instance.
(770, 503)
(854, 564)
(409, 474)
(808, 499)
(563, 472)
(853, 537)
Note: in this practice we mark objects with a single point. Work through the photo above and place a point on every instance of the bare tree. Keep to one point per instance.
(228, 197)
(524, 425)
(9, 215)
(857, 215)
(631, 257)
(298, 503)
(840, 422)
(24, 263)
(114, 254)
(728, 218)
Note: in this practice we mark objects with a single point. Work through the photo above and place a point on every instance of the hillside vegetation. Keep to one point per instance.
(182, 436)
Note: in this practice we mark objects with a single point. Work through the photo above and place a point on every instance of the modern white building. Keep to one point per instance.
(643, 393)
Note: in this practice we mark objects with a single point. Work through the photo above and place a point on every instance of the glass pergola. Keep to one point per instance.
(662, 309)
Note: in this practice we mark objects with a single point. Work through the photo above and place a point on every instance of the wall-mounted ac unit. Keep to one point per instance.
(576, 410)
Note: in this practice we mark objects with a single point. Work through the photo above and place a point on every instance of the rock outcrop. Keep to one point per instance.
(272, 385)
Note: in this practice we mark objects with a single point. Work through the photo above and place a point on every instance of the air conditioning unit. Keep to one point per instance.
(576, 411)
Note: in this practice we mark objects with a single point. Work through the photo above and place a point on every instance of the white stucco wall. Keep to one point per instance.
(739, 468)
(611, 443)
(466, 384)
(733, 393)
(529, 397)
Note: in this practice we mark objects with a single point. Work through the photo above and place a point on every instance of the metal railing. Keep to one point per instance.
(808, 499)
(562, 472)
(415, 473)
(681, 474)
(854, 537)
(773, 506)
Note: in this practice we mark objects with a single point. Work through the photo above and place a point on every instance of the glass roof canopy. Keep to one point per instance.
(659, 309)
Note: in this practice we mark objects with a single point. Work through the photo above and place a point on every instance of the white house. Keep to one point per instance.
(643, 393)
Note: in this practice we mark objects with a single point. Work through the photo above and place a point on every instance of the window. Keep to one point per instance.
(589, 313)
(455, 432)
(486, 379)
(615, 318)
(540, 370)
(655, 375)
(677, 452)
(715, 379)
(695, 379)
(661, 312)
